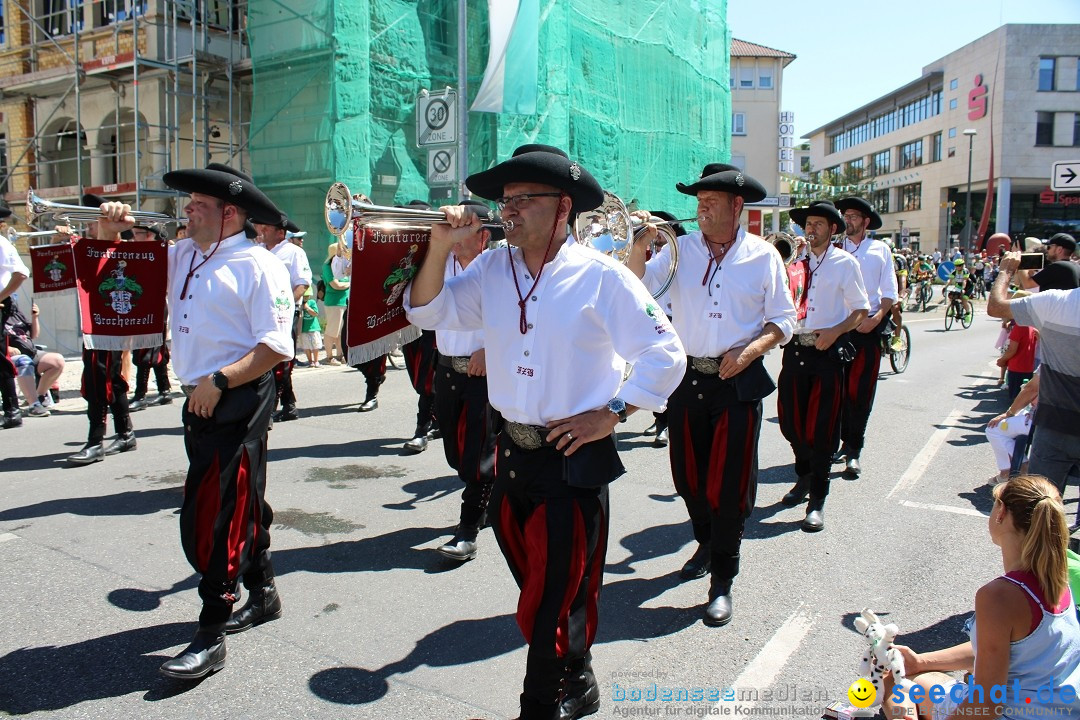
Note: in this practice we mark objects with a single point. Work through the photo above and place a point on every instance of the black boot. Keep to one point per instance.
(582, 696)
(89, 454)
(370, 403)
(12, 419)
(699, 564)
(419, 442)
(462, 546)
(841, 455)
(286, 413)
(796, 495)
(815, 515)
(263, 605)
(122, 443)
(718, 612)
(205, 654)
(852, 469)
(533, 710)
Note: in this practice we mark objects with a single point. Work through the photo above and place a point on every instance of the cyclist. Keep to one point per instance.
(900, 267)
(962, 282)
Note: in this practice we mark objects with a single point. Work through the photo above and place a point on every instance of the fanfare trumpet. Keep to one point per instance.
(786, 244)
(13, 235)
(38, 209)
(342, 208)
(611, 229)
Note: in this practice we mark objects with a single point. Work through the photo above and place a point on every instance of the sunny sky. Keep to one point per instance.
(853, 51)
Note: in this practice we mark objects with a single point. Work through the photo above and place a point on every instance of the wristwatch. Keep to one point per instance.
(617, 406)
(221, 382)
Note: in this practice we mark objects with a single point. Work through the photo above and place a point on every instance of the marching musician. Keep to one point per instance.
(557, 320)
(461, 404)
(861, 374)
(810, 384)
(730, 305)
(664, 301)
(421, 358)
(13, 272)
(231, 313)
(154, 359)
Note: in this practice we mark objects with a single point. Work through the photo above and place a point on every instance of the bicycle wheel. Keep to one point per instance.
(899, 358)
(925, 295)
(949, 315)
(966, 318)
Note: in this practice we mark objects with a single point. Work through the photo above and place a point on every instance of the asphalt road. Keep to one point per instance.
(96, 592)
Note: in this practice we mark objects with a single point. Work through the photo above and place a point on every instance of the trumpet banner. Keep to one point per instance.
(383, 263)
(53, 268)
(122, 293)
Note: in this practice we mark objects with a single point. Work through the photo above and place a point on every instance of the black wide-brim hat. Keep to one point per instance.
(484, 213)
(722, 177)
(230, 187)
(818, 208)
(93, 201)
(541, 164)
(860, 205)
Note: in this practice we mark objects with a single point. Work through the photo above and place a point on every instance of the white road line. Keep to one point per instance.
(945, 508)
(765, 668)
(8, 536)
(924, 457)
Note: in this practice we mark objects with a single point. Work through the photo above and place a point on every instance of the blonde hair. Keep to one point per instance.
(332, 251)
(1039, 515)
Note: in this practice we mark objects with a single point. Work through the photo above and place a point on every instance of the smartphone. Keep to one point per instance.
(1032, 261)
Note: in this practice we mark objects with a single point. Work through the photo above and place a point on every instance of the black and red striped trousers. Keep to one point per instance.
(714, 462)
(8, 392)
(225, 519)
(421, 358)
(104, 389)
(463, 413)
(554, 538)
(860, 386)
(147, 359)
(811, 391)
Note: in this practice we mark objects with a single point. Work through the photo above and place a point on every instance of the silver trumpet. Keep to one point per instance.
(342, 208)
(786, 245)
(13, 235)
(38, 209)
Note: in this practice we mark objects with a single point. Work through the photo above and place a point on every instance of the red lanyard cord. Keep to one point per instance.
(192, 267)
(523, 324)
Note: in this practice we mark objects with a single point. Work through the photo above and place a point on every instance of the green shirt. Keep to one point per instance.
(333, 297)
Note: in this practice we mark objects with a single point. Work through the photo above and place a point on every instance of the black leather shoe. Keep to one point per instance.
(796, 495)
(12, 419)
(840, 455)
(461, 547)
(852, 469)
(661, 439)
(418, 444)
(89, 454)
(815, 517)
(205, 654)
(434, 433)
(698, 565)
(533, 710)
(263, 605)
(122, 443)
(163, 398)
(286, 413)
(582, 693)
(368, 405)
(718, 612)
(137, 404)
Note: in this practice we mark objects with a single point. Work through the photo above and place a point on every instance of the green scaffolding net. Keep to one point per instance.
(635, 90)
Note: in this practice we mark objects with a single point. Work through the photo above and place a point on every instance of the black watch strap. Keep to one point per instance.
(220, 380)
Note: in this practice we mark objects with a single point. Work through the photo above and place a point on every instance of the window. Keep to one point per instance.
(1076, 130)
(910, 197)
(952, 104)
(879, 199)
(881, 163)
(764, 78)
(738, 123)
(1044, 128)
(738, 161)
(936, 152)
(952, 132)
(1046, 74)
(2, 34)
(731, 79)
(953, 83)
(856, 169)
(746, 77)
(952, 151)
(108, 12)
(908, 114)
(59, 17)
(911, 154)
(3, 165)
(804, 164)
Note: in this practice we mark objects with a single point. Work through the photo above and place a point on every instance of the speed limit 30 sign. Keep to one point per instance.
(436, 118)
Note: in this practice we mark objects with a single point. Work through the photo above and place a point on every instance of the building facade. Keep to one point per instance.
(1012, 98)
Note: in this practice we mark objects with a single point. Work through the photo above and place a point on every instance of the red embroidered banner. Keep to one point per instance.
(122, 293)
(796, 273)
(53, 268)
(383, 263)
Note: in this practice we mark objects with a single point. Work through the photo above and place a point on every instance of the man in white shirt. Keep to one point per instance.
(731, 304)
(861, 374)
(13, 272)
(274, 238)
(558, 321)
(810, 385)
(231, 310)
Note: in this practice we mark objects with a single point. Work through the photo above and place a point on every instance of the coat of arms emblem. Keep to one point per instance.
(121, 291)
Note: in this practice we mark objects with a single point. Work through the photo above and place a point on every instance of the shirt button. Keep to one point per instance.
(700, 396)
(534, 298)
(801, 363)
(530, 326)
(188, 297)
(196, 276)
(717, 284)
(447, 374)
(453, 387)
(506, 453)
(693, 382)
(513, 474)
(715, 303)
(526, 353)
(185, 317)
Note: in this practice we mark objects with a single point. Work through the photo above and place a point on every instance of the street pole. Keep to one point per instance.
(969, 242)
(463, 100)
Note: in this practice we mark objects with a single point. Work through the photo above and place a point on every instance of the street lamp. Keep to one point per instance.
(971, 133)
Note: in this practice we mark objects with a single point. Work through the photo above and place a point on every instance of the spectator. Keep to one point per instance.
(310, 340)
(1025, 632)
(1002, 431)
(1055, 449)
(335, 277)
(31, 362)
(1019, 357)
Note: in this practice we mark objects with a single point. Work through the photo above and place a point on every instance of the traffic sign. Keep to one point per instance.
(1065, 176)
(436, 118)
(442, 166)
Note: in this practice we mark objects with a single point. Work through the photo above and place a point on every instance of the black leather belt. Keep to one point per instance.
(459, 363)
(528, 437)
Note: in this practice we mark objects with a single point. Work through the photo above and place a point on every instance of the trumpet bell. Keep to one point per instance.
(786, 245)
(338, 209)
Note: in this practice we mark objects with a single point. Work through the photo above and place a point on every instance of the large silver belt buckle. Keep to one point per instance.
(460, 364)
(705, 366)
(806, 339)
(525, 437)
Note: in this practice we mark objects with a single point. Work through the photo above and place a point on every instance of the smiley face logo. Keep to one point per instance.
(862, 694)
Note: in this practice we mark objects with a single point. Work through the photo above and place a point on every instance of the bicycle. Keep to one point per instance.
(955, 311)
(919, 296)
(898, 357)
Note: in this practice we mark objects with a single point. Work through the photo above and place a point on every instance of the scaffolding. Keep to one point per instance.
(106, 96)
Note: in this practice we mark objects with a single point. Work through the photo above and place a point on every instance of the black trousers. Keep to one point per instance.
(283, 371)
(860, 386)
(461, 406)
(147, 359)
(714, 463)
(810, 395)
(554, 538)
(225, 519)
(8, 393)
(104, 389)
(421, 357)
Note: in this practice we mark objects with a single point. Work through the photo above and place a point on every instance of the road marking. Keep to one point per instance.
(945, 508)
(924, 457)
(8, 536)
(765, 668)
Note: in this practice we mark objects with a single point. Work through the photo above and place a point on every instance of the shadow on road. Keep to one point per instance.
(132, 502)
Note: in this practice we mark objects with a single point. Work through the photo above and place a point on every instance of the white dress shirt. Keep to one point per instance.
(876, 264)
(295, 260)
(586, 313)
(457, 343)
(238, 298)
(836, 289)
(10, 263)
(715, 310)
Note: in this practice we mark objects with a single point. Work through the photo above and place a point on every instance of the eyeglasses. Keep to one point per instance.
(853, 216)
(519, 201)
